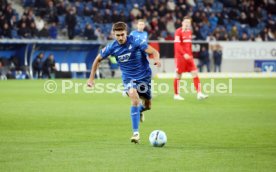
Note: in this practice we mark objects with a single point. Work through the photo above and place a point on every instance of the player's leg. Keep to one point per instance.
(144, 106)
(135, 114)
(144, 92)
(197, 85)
(176, 86)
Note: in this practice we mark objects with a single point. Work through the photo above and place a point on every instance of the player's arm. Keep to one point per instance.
(156, 55)
(90, 82)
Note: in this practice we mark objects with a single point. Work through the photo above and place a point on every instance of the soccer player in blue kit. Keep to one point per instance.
(140, 33)
(136, 72)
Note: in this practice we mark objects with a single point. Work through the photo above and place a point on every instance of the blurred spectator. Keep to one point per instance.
(53, 18)
(37, 65)
(170, 25)
(210, 38)
(204, 59)
(264, 34)
(109, 5)
(271, 23)
(6, 31)
(243, 20)
(162, 11)
(3, 70)
(23, 31)
(252, 37)
(258, 38)
(196, 33)
(22, 20)
(61, 8)
(53, 31)
(100, 36)
(9, 12)
(39, 22)
(208, 10)
(51, 9)
(252, 20)
(244, 37)
(13, 22)
(33, 30)
(271, 35)
(115, 16)
(234, 32)
(49, 67)
(87, 11)
(99, 4)
(89, 33)
(196, 18)
(217, 55)
(107, 16)
(44, 32)
(30, 18)
(123, 17)
(135, 12)
(171, 5)
(97, 16)
(14, 63)
(71, 22)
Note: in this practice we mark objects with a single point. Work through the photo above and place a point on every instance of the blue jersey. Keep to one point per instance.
(133, 64)
(141, 35)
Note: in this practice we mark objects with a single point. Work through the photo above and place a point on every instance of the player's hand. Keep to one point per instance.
(157, 63)
(186, 56)
(90, 83)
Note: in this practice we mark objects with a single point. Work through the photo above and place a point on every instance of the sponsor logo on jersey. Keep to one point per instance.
(124, 57)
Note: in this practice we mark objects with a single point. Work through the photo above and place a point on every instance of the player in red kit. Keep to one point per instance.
(183, 56)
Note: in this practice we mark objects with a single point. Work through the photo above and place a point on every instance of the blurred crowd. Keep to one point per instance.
(244, 20)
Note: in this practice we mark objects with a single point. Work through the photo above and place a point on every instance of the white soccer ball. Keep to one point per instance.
(158, 138)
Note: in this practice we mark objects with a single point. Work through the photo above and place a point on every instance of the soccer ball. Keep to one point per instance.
(158, 138)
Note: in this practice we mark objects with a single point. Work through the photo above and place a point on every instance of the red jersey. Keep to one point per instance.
(182, 43)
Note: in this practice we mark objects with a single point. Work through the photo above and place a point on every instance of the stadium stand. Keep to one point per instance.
(245, 20)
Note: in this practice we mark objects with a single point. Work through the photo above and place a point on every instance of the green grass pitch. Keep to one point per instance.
(90, 132)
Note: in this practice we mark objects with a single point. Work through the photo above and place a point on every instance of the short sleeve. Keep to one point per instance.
(106, 51)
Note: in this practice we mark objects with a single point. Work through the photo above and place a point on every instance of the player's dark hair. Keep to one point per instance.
(119, 26)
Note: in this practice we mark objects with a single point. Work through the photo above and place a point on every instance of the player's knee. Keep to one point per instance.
(135, 102)
(134, 97)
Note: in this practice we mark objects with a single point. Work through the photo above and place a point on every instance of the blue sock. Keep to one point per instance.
(135, 117)
(141, 107)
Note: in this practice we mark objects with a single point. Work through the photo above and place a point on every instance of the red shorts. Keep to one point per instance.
(183, 65)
